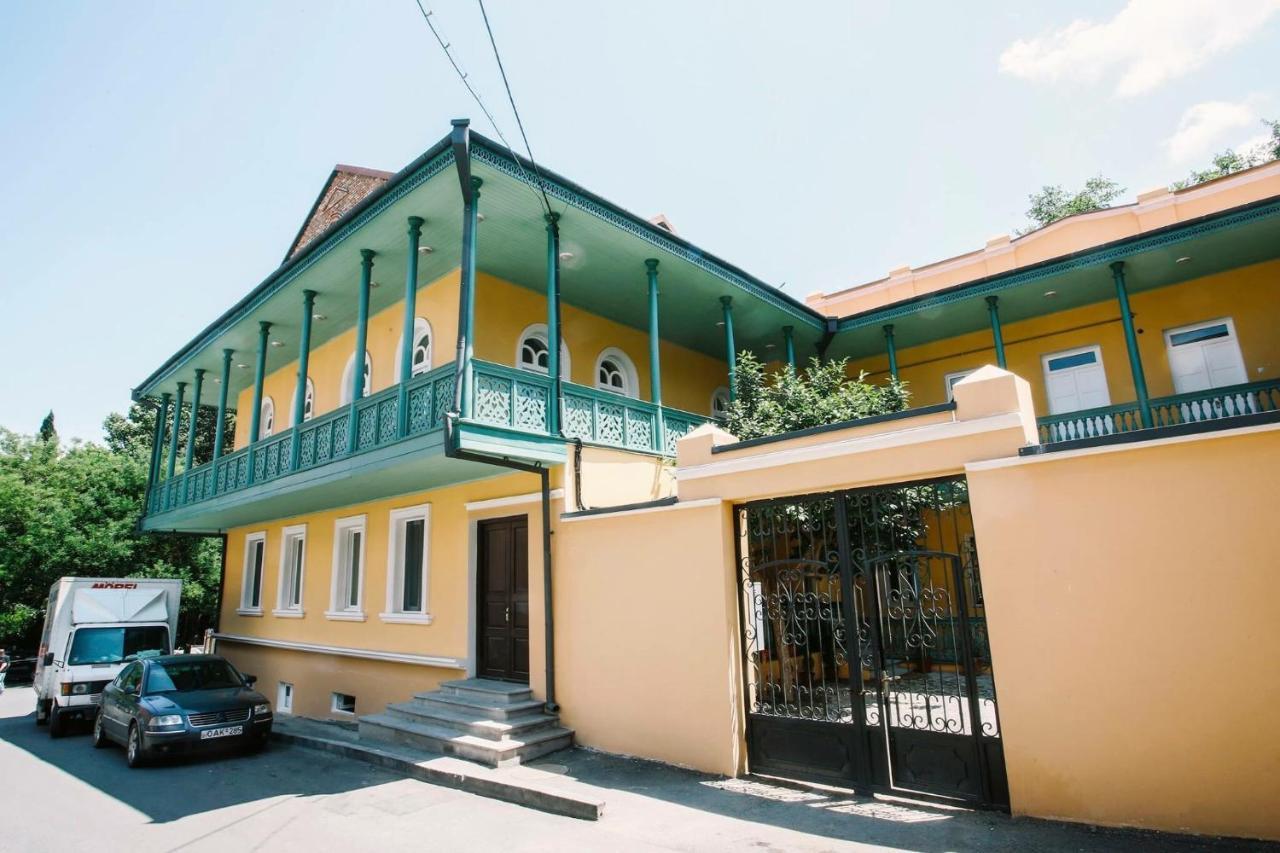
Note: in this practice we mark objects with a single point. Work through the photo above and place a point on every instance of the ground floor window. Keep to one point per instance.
(284, 698)
(347, 594)
(293, 547)
(407, 565)
(343, 703)
(255, 546)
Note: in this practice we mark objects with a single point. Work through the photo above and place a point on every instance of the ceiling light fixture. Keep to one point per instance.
(1049, 294)
(719, 322)
(319, 317)
(277, 343)
(425, 250)
(480, 216)
(243, 366)
(566, 256)
(1183, 259)
(374, 284)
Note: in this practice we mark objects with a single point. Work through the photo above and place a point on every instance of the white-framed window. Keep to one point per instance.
(1205, 355)
(615, 372)
(284, 698)
(346, 597)
(308, 402)
(343, 703)
(420, 360)
(348, 376)
(720, 403)
(293, 565)
(532, 350)
(255, 553)
(267, 418)
(949, 382)
(408, 550)
(1074, 380)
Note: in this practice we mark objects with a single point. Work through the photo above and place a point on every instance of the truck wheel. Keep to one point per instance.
(57, 725)
(134, 754)
(42, 712)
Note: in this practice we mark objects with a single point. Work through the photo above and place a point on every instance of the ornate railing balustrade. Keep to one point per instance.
(518, 399)
(1194, 407)
(505, 397)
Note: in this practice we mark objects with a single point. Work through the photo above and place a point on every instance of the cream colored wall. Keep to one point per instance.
(647, 654)
(1129, 599)
(504, 310)
(316, 677)
(613, 477)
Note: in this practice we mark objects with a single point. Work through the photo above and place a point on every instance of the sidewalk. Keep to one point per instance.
(656, 804)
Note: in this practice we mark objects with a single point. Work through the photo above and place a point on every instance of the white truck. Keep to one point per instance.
(92, 627)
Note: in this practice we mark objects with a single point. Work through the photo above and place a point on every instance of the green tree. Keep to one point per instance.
(1230, 161)
(822, 393)
(47, 430)
(1052, 203)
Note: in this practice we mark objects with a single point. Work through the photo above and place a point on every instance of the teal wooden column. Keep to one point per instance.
(173, 437)
(731, 352)
(222, 404)
(655, 361)
(157, 440)
(259, 373)
(407, 326)
(1131, 341)
(470, 215)
(553, 322)
(788, 335)
(362, 336)
(892, 350)
(993, 308)
(191, 422)
(300, 392)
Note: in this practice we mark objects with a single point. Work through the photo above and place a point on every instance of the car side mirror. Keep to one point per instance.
(250, 680)
(48, 658)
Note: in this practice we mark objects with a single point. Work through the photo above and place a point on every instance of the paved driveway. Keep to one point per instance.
(65, 796)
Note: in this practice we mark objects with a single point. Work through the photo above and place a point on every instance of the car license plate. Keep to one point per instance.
(225, 731)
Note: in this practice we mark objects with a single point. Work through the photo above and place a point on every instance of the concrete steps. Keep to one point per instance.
(490, 722)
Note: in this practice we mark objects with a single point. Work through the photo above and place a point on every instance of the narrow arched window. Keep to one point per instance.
(309, 401)
(420, 358)
(347, 377)
(532, 351)
(616, 373)
(720, 403)
(266, 418)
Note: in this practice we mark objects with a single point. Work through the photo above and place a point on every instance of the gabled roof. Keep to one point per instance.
(346, 187)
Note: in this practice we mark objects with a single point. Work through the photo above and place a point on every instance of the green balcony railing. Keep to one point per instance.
(1194, 407)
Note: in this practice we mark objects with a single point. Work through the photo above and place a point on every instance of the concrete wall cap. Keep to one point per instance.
(1153, 193)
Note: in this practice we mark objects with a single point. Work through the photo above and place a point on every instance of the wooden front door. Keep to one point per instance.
(503, 589)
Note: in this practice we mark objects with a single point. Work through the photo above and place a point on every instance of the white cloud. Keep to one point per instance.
(1147, 43)
(1205, 127)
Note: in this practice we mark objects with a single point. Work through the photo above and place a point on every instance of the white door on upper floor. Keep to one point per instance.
(1205, 355)
(1075, 380)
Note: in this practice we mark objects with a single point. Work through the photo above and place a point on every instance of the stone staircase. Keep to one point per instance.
(491, 722)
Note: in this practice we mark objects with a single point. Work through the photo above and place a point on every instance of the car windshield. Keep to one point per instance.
(115, 645)
(191, 675)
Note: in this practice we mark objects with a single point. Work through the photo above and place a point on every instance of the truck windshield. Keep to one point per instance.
(115, 645)
(191, 675)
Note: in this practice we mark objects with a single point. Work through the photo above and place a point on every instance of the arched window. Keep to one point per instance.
(421, 359)
(532, 351)
(266, 418)
(615, 372)
(720, 403)
(347, 377)
(308, 402)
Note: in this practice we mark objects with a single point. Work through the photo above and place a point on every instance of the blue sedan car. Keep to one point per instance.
(179, 704)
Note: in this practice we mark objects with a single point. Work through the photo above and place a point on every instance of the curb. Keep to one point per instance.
(554, 802)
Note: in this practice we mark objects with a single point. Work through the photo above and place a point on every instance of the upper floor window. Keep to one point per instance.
(267, 418)
(1074, 379)
(348, 376)
(1205, 355)
(420, 361)
(720, 403)
(308, 401)
(616, 373)
(255, 549)
(532, 351)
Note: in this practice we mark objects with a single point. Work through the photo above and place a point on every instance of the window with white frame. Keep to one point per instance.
(348, 375)
(284, 698)
(308, 402)
(420, 358)
(720, 403)
(407, 559)
(343, 703)
(293, 561)
(615, 372)
(267, 418)
(347, 594)
(949, 382)
(532, 350)
(1204, 356)
(1075, 380)
(255, 550)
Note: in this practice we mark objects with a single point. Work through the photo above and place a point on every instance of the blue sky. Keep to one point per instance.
(159, 157)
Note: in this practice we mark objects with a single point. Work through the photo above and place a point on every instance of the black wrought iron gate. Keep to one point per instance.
(865, 644)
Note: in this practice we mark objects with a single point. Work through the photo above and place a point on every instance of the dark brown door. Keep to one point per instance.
(503, 589)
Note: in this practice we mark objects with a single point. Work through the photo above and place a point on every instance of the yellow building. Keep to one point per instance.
(475, 498)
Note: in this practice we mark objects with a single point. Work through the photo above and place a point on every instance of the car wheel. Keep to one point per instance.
(99, 736)
(135, 755)
(57, 725)
(42, 712)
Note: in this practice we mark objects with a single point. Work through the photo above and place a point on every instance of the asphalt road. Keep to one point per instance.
(63, 795)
